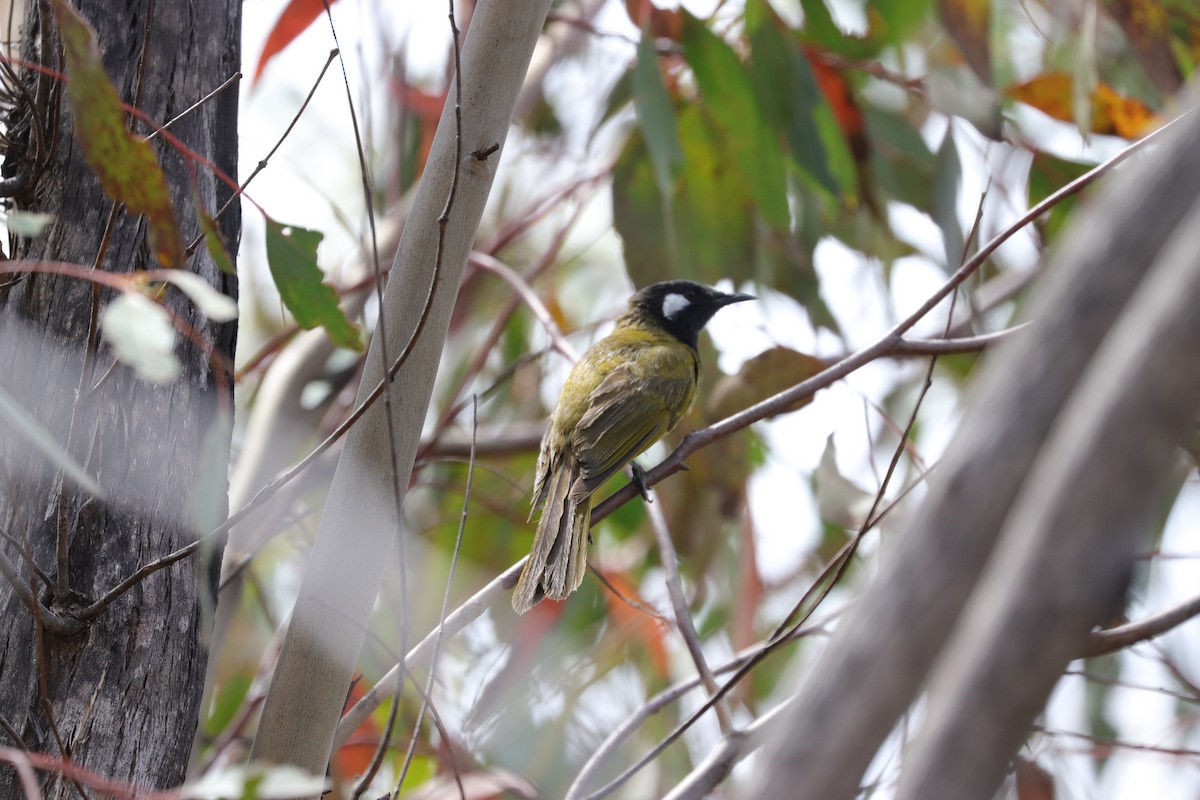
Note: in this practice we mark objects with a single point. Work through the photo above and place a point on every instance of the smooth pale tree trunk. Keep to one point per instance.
(121, 695)
(360, 524)
(1064, 450)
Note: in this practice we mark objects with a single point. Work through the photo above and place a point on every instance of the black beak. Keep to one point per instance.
(730, 299)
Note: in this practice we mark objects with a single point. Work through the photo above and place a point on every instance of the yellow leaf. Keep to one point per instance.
(1112, 113)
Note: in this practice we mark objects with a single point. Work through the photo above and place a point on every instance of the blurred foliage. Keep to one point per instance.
(737, 147)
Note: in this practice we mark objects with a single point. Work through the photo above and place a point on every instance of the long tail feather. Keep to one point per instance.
(558, 559)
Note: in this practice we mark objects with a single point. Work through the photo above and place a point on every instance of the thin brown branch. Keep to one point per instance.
(683, 615)
(951, 347)
(525, 292)
(437, 643)
(241, 188)
(1106, 746)
(1114, 639)
(787, 399)
(228, 82)
(53, 622)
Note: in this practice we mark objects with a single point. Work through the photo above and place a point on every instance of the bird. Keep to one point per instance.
(623, 395)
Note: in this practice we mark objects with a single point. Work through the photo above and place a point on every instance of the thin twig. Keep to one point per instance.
(262, 164)
(662, 700)
(1110, 641)
(64, 626)
(683, 617)
(840, 562)
(525, 292)
(788, 398)
(230, 81)
(459, 619)
(697, 440)
(1114, 744)
(437, 643)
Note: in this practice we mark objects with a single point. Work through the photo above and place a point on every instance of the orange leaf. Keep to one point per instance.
(355, 755)
(663, 23)
(1112, 114)
(1121, 116)
(636, 623)
(1050, 93)
(837, 93)
(294, 20)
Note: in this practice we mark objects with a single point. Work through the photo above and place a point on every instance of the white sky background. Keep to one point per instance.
(316, 172)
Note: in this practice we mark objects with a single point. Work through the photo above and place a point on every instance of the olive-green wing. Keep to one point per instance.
(625, 416)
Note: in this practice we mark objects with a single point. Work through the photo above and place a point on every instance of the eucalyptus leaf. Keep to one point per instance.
(140, 333)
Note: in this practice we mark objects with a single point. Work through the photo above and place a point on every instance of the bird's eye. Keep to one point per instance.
(673, 304)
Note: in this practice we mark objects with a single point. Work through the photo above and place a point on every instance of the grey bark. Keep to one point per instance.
(360, 523)
(1065, 554)
(123, 693)
(882, 654)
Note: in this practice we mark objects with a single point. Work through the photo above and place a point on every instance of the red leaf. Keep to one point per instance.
(294, 20)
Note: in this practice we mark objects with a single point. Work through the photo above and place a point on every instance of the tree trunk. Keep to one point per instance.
(361, 520)
(886, 647)
(121, 695)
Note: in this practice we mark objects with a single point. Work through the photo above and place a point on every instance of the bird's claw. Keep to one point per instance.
(639, 481)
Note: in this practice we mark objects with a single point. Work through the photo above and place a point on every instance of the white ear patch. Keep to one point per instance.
(673, 304)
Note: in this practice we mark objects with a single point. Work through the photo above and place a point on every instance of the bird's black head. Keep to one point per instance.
(681, 308)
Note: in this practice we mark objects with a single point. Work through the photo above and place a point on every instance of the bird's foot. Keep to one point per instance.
(639, 481)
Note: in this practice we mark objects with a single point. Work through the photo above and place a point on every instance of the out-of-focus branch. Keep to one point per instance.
(896, 630)
(1066, 550)
(1114, 639)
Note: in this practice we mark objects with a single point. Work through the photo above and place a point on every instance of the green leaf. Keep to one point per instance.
(791, 99)
(712, 211)
(729, 99)
(819, 26)
(28, 426)
(230, 694)
(945, 199)
(900, 160)
(657, 117)
(821, 30)
(215, 242)
(719, 234)
(292, 257)
(893, 20)
(620, 96)
(125, 164)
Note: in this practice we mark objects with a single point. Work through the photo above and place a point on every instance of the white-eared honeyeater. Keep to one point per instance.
(623, 395)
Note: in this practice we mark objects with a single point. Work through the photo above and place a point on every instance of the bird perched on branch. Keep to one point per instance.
(623, 395)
